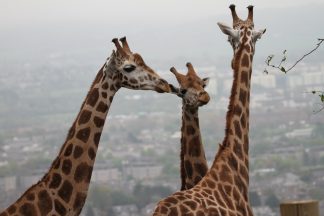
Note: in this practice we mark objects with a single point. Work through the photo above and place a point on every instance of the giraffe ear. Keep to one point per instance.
(228, 30)
(258, 34)
(205, 81)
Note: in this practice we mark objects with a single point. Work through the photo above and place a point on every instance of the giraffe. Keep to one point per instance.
(63, 189)
(223, 191)
(193, 164)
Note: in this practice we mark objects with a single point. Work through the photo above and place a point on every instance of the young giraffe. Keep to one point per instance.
(193, 165)
(224, 189)
(63, 189)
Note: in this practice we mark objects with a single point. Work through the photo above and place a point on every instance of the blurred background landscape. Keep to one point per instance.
(51, 51)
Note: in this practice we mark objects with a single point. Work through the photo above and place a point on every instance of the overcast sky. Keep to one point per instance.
(14, 12)
(156, 28)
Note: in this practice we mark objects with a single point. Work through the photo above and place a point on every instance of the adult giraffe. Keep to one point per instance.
(224, 189)
(63, 189)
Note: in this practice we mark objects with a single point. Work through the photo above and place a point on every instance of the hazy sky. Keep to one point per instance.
(13, 12)
(47, 26)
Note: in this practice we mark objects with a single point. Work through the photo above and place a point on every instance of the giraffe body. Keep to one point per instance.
(223, 191)
(63, 189)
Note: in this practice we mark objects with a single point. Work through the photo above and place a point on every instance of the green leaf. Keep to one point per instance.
(283, 69)
(270, 57)
(284, 59)
(322, 97)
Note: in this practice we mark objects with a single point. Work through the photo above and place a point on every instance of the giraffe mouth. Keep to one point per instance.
(162, 90)
(162, 86)
(157, 88)
(203, 99)
(202, 103)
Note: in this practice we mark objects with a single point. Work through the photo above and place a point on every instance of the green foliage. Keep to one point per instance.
(170, 170)
(170, 161)
(103, 198)
(121, 198)
(147, 194)
(306, 176)
(283, 69)
(148, 153)
(100, 197)
(320, 94)
(288, 163)
(117, 162)
(269, 59)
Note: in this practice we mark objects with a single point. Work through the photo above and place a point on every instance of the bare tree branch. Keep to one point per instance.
(284, 58)
(319, 110)
(320, 94)
(283, 69)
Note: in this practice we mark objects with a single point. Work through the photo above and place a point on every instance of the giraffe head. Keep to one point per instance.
(132, 72)
(242, 32)
(191, 87)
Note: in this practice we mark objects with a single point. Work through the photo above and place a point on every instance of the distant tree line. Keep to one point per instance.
(104, 199)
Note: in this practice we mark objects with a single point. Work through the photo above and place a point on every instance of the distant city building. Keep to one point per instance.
(142, 171)
(267, 81)
(104, 175)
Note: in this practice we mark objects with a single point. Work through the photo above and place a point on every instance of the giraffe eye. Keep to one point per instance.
(129, 68)
(183, 91)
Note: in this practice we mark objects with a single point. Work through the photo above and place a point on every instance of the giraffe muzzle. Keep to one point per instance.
(162, 86)
(203, 99)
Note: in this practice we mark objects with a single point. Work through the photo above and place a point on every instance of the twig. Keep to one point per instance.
(283, 69)
(321, 95)
(317, 46)
(318, 111)
(270, 57)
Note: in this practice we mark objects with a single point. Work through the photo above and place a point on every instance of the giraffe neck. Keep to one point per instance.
(233, 155)
(192, 156)
(63, 189)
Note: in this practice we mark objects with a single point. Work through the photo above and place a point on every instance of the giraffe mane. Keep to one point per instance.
(43, 179)
(229, 114)
(96, 80)
(182, 170)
